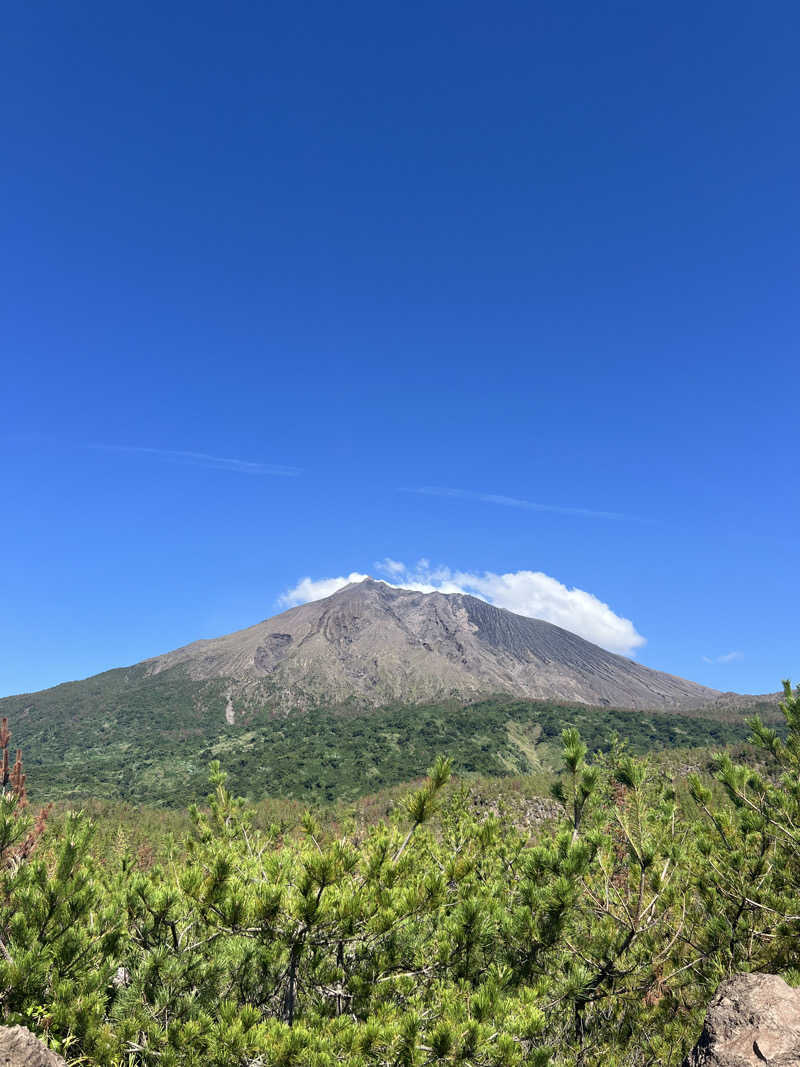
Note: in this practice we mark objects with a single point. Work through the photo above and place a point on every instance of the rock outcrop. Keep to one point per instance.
(20, 1048)
(754, 1019)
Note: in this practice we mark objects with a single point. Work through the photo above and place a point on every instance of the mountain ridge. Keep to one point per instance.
(376, 643)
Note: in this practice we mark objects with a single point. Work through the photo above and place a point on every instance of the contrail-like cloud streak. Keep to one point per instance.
(515, 502)
(203, 459)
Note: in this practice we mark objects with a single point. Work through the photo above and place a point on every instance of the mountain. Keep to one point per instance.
(374, 644)
(347, 695)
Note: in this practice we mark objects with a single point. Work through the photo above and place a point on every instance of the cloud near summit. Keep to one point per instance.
(530, 593)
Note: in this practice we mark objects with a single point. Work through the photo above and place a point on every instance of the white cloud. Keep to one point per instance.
(727, 657)
(307, 589)
(524, 592)
(390, 566)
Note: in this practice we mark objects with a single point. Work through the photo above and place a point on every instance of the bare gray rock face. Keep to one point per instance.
(375, 644)
(20, 1048)
(754, 1019)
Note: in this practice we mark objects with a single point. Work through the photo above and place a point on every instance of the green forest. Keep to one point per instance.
(148, 739)
(440, 932)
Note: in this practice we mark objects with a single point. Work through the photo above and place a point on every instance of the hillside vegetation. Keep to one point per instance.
(440, 935)
(148, 738)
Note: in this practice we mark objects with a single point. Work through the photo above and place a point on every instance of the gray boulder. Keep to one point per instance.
(20, 1048)
(754, 1019)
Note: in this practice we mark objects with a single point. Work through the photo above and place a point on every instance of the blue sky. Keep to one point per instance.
(270, 271)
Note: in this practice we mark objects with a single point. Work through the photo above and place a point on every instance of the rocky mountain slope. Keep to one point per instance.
(374, 644)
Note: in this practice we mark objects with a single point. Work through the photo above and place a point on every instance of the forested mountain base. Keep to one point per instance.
(441, 936)
(149, 739)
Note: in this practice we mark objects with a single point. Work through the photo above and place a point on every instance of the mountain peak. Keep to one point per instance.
(363, 583)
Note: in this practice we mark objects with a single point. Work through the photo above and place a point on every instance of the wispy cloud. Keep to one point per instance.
(516, 502)
(203, 459)
(391, 566)
(727, 657)
(530, 593)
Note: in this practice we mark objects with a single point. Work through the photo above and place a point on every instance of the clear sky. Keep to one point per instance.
(269, 270)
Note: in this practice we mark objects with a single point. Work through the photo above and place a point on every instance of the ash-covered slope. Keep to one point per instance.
(376, 644)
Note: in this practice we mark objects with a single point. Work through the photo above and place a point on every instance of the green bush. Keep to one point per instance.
(440, 935)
